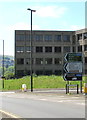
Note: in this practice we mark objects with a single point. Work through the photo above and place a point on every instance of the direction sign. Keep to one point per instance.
(73, 76)
(74, 67)
(73, 57)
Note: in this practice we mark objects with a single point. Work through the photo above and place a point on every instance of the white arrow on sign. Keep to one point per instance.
(73, 67)
(65, 67)
(65, 56)
(65, 77)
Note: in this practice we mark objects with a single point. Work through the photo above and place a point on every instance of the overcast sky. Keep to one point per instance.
(49, 15)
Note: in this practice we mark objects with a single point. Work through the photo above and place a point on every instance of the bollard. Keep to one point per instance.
(24, 88)
(85, 88)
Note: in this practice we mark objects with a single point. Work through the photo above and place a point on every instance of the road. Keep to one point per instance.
(43, 105)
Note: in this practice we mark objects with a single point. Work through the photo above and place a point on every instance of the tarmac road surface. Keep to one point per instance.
(43, 105)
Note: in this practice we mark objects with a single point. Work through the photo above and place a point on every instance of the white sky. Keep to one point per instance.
(49, 15)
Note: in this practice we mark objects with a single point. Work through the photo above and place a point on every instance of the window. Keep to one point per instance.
(39, 61)
(20, 61)
(57, 49)
(28, 61)
(73, 39)
(20, 72)
(58, 61)
(48, 60)
(66, 49)
(86, 71)
(58, 72)
(79, 36)
(19, 49)
(85, 35)
(48, 72)
(85, 47)
(79, 48)
(57, 38)
(28, 49)
(27, 72)
(39, 72)
(85, 59)
(66, 38)
(20, 37)
(27, 37)
(48, 38)
(48, 49)
(38, 37)
(73, 49)
(39, 49)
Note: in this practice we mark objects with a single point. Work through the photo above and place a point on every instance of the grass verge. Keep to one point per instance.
(38, 82)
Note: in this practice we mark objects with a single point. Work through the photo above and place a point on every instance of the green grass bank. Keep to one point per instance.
(38, 82)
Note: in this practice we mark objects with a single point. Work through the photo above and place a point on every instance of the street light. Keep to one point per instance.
(31, 51)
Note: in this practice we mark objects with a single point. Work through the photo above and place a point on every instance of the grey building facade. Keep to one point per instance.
(49, 49)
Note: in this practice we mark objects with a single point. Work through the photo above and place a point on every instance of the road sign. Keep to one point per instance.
(73, 57)
(73, 76)
(74, 67)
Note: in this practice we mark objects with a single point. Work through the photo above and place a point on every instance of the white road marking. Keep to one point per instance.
(9, 114)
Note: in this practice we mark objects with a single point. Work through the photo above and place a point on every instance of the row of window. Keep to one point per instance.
(40, 49)
(84, 35)
(39, 72)
(39, 61)
(66, 38)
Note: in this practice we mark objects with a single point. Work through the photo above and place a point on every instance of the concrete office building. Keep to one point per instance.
(49, 48)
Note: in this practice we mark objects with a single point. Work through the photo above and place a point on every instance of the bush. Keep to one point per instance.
(9, 75)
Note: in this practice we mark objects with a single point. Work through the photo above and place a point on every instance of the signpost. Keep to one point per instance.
(73, 67)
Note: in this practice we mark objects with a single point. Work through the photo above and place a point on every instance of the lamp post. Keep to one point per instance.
(31, 71)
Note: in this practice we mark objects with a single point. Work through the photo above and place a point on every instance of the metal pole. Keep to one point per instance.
(31, 56)
(3, 67)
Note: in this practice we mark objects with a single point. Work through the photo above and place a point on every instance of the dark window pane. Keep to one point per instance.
(58, 72)
(28, 49)
(48, 60)
(39, 72)
(79, 48)
(85, 59)
(57, 49)
(20, 37)
(28, 61)
(20, 73)
(38, 38)
(66, 49)
(66, 38)
(27, 37)
(85, 35)
(57, 38)
(85, 47)
(79, 36)
(48, 72)
(19, 49)
(73, 39)
(20, 61)
(48, 38)
(73, 49)
(58, 61)
(39, 49)
(48, 49)
(39, 61)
